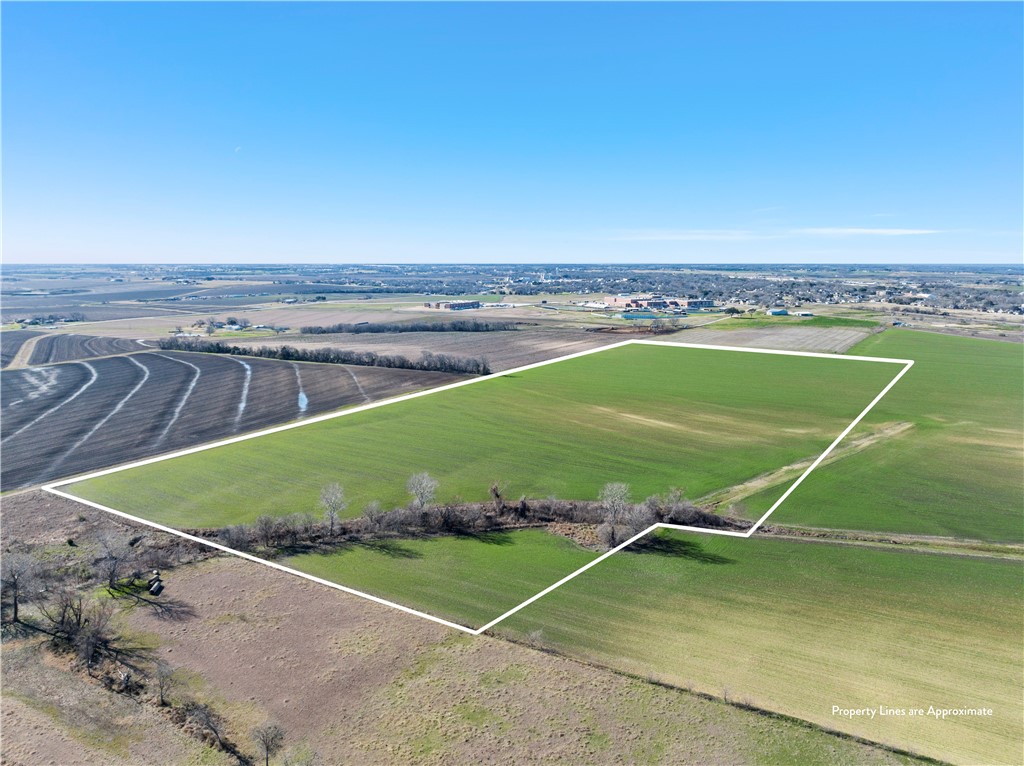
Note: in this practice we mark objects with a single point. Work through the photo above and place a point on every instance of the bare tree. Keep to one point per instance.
(269, 740)
(165, 681)
(374, 516)
(207, 719)
(614, 499)
(19, 573)
(332, 500)
(423, 488)
(266, 530)
(117, 555)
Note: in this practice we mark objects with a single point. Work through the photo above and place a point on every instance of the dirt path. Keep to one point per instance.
(24, 353)
(778, 476)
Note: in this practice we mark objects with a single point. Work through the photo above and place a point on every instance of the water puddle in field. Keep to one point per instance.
(303, 399)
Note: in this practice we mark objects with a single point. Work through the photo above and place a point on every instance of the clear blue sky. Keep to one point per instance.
(197, 132)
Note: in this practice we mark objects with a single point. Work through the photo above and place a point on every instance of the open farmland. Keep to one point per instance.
(798, 627)
(407, 690)
(817, 339)
(503, 349)
(11, 342)
(955, 472)
(55, 348)
(651, 415)
(64, 419)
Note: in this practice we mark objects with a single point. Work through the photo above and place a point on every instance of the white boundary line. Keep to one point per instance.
(53, 487)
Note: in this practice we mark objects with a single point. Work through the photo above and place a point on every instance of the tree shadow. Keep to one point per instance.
(392, 548)
(490, 537)
(665, 545)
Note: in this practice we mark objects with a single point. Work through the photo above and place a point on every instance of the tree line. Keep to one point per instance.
(456, 325)
(429, 362)
(613, 517)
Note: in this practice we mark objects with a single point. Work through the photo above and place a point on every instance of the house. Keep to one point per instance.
(777, 313)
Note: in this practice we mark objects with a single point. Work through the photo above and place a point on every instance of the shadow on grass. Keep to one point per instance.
(392, 548)
(664, 545)
(491, 537)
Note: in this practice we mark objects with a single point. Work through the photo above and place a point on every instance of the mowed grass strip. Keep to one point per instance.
(956, 473)
(798, 627)
(653, 416)
(469, 580)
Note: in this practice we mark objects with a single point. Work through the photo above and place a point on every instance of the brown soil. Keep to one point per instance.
(359, 682)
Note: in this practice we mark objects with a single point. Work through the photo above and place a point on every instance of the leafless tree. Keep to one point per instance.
(236, 537)
(332, 500)
(164, 680)
(117, 556)
(266, 530)
(19, 577)
(207, 719)
(269, 740)
(423, 488)
(614, 499)
(81, 624)
(374, 516)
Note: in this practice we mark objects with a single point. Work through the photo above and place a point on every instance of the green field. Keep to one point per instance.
(798, 627)
(468, 580)
(653, 416)
(748, 322)
(956, 472)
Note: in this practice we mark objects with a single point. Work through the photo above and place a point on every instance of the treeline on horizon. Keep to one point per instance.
(429, 362)
(456, 325)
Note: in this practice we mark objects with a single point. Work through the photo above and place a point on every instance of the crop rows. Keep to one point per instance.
(71, 418)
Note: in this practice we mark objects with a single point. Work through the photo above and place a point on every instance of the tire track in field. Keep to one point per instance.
(75, 395)
(117, 408)
(181, 403)
(359, 385)
(245, 390)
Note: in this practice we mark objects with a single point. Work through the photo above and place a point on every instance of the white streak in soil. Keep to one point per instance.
(245, 389)
(184, 398)
(109, 415)
(358, 384)
(81, 390)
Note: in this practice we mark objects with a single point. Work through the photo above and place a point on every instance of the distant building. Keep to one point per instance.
(777, 312)
(699, 303)
(629, 302)
(457, 305)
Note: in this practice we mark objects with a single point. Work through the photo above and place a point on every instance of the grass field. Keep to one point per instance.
(794, 321)
(799, 627)
(469, 580)
(957, 472)
(652, 416)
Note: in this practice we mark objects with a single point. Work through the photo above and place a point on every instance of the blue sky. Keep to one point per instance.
(607, 132)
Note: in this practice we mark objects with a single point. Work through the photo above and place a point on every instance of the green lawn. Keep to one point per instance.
(761, 320)
(653, 416)
(957, 472)
(468, 580)
(798, 627)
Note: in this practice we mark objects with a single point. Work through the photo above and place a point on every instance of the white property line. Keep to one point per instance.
(53, 487)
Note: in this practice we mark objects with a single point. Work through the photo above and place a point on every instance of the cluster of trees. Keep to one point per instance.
(428, 362)
(456, 325)
(38, 319)
(614, 516)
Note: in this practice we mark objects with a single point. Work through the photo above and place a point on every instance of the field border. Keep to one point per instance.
(53, 487)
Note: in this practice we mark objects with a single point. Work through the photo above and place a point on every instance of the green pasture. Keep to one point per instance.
(956, 472)
(797, 627)
(468, 580)
(652, 416)
(761, 320)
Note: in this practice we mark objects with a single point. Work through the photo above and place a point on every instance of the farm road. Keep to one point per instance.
(12, 343)
(65, 419)
(65, 348)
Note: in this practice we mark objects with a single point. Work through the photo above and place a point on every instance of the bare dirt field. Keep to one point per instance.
(11, 342)
(504, 350)
(361, 683)
(817, 339)
(67, 347)
(66, 419)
